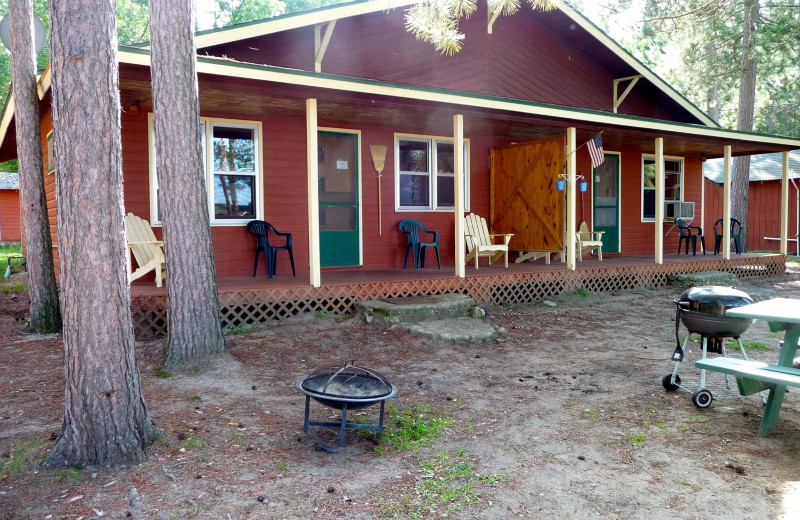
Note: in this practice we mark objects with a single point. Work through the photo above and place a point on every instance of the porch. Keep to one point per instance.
(245, 300)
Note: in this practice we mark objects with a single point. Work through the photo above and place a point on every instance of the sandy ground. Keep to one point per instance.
(567, 419)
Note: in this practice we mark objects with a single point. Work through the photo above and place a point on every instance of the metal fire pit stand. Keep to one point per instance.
(344, 424)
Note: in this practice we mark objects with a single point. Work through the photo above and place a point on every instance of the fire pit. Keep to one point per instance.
(348, 387)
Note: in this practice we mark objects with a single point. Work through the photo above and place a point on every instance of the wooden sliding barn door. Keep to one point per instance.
(523, 195)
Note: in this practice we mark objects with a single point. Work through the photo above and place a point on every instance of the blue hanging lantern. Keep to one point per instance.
(560, 185)
(582, 186)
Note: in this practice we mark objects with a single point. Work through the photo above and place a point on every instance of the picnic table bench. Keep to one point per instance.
(782, 314)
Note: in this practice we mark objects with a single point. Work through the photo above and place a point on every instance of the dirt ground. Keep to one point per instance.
(566, 419)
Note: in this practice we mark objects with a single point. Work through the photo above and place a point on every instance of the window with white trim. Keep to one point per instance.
(232, 165)
(673, 183)
(425, 173)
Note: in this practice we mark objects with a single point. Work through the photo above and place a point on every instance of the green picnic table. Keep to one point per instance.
(782, 314)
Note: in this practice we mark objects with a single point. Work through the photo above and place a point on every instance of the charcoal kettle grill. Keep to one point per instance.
(702, 310)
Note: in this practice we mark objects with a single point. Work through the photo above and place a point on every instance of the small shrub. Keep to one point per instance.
(195, 443)
(191, 396)
(162, 374)
(412, 428)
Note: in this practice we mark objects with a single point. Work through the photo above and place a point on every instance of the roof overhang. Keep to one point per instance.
(290, 21)
(744, 143)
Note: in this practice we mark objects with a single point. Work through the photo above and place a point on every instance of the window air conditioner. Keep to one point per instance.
(675, 209)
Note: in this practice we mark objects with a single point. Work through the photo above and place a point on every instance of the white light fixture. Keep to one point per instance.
(40, 35)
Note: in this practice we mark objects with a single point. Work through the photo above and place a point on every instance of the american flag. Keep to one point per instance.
(595, 146)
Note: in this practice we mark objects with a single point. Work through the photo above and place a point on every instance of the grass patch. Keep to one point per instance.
(195, 443)
(69, 475)
(162, 374)
(191, 396)
(590, 414)
(13, 289)
(6, 251)
(449, 484)
(583, 292)
(756, 345)
(635, 439)
(20, 456)
(411, 428)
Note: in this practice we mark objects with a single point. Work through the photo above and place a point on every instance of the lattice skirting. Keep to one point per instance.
(245, 308)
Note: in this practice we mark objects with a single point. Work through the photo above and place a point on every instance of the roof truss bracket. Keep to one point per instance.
(321, 43)
(618, 99)
(493, 14)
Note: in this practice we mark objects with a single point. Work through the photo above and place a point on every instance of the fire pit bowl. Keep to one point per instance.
(347, 387)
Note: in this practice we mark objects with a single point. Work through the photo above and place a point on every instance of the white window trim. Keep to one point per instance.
(208, 161)
(431, 140)
(645, 156)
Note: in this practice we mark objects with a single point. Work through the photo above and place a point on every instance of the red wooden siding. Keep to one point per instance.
(10, 219)
(764, 211)
(524, 58)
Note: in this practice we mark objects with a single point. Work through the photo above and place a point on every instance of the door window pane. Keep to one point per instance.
(605, 217)
(337, 218)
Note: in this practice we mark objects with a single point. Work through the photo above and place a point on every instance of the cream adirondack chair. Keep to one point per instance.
(146, 249)
(587, 241)
(480, 243)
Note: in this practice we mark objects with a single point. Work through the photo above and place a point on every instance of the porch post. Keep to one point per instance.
(659, 217)
(313, 192)
(726, 205)
(571, 143)
(458, 185)
(785, 204)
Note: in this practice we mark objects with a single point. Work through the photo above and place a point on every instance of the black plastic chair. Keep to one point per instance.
(689, 234)
(736, 235)
(261, 230)
(412, 228)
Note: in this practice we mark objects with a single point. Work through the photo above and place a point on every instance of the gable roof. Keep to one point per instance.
(254, 29)
(764, 167)
(9, 181)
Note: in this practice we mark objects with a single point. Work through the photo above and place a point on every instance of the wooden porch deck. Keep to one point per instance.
(247, 300)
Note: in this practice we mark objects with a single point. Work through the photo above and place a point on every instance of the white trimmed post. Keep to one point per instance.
(785, 204)
(312, 160)
(659, 217)
(458, 183)
(726, 204)
(571, 166)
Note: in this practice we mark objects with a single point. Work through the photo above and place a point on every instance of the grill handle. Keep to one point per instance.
(678, 354)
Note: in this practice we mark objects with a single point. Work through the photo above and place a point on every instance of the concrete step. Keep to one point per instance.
(416, 309)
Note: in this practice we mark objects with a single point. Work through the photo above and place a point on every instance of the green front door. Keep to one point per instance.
(339, 242)
(606, 202)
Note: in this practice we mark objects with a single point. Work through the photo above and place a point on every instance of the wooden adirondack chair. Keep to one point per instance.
(146, 249)
(480, 243)
(587, 241)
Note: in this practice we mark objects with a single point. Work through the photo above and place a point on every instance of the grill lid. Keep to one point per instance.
(347, 382)
(712, 299)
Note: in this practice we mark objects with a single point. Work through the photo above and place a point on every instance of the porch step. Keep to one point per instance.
(447, 317)
(414, 309)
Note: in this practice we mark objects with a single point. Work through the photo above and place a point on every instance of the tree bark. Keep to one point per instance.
(105, 417)
(740, 183)
(193, 315)
(45, 315)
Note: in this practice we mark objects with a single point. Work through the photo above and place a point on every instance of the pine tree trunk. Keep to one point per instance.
(105, 417)
(45, 315)
(740, 183)
(195, 333)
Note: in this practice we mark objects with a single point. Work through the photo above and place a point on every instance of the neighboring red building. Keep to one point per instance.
(10, 217)
(345, 77)
(764, 226)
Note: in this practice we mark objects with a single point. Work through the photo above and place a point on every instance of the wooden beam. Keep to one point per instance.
(312, 161)
(726, 204)
(619, 99)
(571, 166)
(321, 43)
(492, 17)
(659, 220)
(785, 203)
(458, 186)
